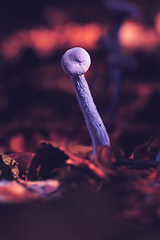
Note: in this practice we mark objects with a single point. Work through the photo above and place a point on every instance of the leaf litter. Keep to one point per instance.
(54, 172)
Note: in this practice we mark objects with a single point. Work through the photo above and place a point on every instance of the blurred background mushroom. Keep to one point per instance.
(117, 60)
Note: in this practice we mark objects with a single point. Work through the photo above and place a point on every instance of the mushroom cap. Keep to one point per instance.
(75, 61)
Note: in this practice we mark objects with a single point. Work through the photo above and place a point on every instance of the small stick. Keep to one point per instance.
(142, 164)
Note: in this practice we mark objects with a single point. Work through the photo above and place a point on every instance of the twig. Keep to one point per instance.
(142, 164)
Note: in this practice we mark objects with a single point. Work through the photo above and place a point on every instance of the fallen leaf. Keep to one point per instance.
(143, 152)
(24, 160)
(46, 159)
(8, 167)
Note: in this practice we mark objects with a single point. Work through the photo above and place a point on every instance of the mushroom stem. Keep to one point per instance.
(94, 122)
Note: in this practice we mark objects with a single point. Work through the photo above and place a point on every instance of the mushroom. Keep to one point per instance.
(117, 60)
(158, 156)
(75, 62)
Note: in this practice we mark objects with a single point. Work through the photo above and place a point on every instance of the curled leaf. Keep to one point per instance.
(143, 152)
(46, 159)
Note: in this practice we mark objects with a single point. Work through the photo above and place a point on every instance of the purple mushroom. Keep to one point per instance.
(75, 62)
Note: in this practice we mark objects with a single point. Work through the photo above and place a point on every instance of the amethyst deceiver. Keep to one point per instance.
(75, 62)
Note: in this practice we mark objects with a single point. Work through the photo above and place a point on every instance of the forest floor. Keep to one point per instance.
(37, 100)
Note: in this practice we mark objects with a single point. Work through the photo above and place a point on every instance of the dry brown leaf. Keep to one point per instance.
(143, 152)
(8, 167)
(24, 160)
(46, 159)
